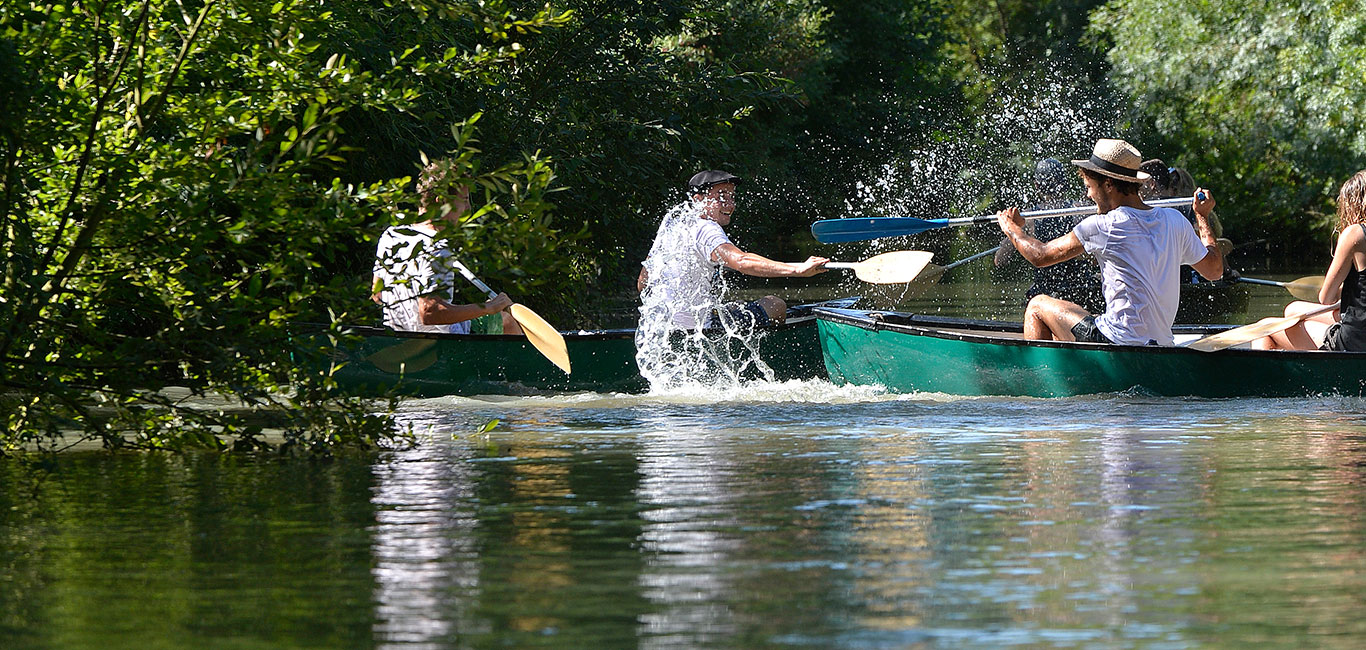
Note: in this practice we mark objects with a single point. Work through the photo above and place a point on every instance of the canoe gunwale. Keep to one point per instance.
(937, 327)
(369, 331)
(801, 315)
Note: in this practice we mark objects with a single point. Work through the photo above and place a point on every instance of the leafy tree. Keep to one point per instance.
(1260, 100)
(171, 203)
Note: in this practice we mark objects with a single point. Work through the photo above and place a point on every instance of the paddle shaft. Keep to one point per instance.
(1269, 283)
(473, 280)
(1306, 288)
(965, 260)
(834, 231)
(1054, 212)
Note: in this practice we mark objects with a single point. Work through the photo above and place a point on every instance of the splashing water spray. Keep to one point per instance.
(683, 340)
(964, 168)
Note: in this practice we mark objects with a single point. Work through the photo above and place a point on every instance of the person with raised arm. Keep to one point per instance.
(1140, 250)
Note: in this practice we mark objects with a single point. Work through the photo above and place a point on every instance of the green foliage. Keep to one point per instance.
(173, 198)
(1261, 100)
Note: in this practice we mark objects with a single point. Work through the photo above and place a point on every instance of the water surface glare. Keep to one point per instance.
(783, 515)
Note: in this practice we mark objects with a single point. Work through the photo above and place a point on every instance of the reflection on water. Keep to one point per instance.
(852, 520)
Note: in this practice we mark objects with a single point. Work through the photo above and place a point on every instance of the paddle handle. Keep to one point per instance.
(473, 280)
(1058, 212)
(842, 265)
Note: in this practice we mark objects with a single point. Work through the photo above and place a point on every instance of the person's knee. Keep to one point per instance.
(1038, 305)
(1296, 307)
(774, 307)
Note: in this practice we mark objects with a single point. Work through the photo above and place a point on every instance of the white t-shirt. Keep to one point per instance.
(680, 267)
(1140, 254)
(411, 263)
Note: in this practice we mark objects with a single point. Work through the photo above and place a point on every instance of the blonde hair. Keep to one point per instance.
(1352, 201)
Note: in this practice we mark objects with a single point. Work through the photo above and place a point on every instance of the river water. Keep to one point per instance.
(797, 515)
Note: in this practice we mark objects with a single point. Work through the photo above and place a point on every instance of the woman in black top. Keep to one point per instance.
(1342, 329)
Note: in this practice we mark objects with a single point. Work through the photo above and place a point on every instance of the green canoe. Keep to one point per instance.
(910, 353)
(429, 365)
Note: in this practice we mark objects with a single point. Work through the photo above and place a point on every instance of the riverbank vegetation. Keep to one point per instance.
(182, 182)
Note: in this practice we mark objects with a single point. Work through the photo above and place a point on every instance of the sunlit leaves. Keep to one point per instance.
(172, 201)
(1264, 96)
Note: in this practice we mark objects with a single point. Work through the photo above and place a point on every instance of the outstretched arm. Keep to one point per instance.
(433, 310)
(760, 266)
(1038, 253)
(1344, 257)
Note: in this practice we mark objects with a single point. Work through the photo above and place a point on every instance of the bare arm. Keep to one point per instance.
(433, 310)
(1036, 252)
(1350, 244)
(642, 279)
(1212, 266)
(760, 266)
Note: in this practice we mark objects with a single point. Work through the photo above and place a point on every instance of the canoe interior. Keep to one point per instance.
(910, 353)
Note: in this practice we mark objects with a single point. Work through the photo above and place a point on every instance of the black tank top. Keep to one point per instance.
(1354, 308)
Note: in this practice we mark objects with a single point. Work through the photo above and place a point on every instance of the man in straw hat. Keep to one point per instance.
(1140, 250)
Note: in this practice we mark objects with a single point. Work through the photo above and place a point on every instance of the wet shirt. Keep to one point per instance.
(1140, 254)
(680, 268)
(412, 263)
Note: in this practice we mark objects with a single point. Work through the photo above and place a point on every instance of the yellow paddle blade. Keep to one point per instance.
(543, 336)
(1306, 288)
(1249, 333)
(897, 267)
(411, 355)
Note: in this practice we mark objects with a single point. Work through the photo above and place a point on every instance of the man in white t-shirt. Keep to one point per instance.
(1140, 250)
(692, 243)
(414, 271)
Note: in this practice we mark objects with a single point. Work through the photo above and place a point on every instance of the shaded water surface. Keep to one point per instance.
(795, 515)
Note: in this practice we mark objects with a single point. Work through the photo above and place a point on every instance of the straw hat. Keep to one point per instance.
(1116, 159)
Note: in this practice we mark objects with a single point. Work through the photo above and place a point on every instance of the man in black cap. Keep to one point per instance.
(1140, 250)
(692, 243)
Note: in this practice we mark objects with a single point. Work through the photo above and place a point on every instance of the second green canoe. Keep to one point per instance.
(909, 353)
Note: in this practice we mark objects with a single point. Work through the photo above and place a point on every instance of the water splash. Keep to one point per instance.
(682, 338)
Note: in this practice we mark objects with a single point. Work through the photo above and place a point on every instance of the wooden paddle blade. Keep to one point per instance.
(1306, 288)
(837, 231)
(547, 340)
(1244, 334)
(893, 268)
(1248, 333)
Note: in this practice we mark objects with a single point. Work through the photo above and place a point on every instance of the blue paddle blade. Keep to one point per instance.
(836, 231)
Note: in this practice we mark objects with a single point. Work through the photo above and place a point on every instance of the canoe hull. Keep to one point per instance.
(905, 353)
(381, 361)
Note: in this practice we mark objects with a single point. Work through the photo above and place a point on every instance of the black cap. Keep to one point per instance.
(701, 181)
